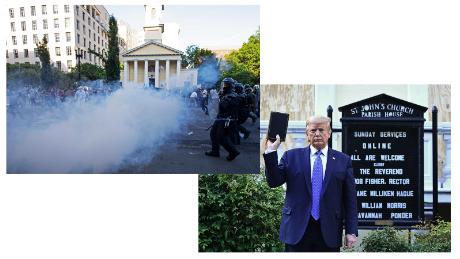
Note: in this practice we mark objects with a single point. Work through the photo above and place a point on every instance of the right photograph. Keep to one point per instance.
(344, 168)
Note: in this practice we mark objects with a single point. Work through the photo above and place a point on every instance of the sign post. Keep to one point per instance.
(384, 137)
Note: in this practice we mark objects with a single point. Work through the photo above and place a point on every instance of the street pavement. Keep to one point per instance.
(184, 152)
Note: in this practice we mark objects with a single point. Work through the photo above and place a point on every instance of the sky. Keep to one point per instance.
(213, 27)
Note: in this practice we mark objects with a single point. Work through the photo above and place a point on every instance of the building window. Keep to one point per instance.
(89, 22)
(57, 38)
(67, 36)
(26, 53)
(23, 26)
(7, 54)
(56, 23)
(84, 29)
(83, 16)
(36, 52)
(84, 54)
(46, 37)
(35, 37)
(89, 33)
(55, 9)
(13, 39)
(44, 9)
(16, 53)
(58, 51)
(58, 65)
(34, 25)
(78, 38)
(66, 8)
(84, 42)
(98, 29)
(90, 57)
(78, 25)
(69, 50)
(11, 13)
(21, 12)
(32, 11)
(45, 24)
(67, 22)
(94, 36)
(13, 27)
(69, 64)
(24, 39)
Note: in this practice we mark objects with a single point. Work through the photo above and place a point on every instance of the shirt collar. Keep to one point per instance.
(314, 150)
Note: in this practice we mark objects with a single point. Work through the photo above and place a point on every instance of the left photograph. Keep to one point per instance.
(133, 89)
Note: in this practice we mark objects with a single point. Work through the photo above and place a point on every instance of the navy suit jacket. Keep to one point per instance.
(337, 201)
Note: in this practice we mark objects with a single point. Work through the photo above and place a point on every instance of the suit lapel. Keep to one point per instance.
(329, 170)
(307, 173)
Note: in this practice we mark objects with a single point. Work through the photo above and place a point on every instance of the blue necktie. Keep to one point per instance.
(316, 184)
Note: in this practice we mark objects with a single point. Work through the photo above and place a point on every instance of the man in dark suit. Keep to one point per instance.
(320, 192)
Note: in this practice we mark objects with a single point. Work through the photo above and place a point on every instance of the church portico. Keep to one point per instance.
(152, 64)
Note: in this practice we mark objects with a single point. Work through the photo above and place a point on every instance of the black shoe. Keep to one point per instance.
(246, 134)
(210, 153)
(230, 157)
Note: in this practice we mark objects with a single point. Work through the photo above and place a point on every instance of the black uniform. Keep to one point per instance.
(224, 125)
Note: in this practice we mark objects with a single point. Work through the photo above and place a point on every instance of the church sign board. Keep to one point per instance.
(384, 137)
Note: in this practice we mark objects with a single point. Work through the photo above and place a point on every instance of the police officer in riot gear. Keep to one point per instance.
(243, 110)
(251, 102)
(225, 122)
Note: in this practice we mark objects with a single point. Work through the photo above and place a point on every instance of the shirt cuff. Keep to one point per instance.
(269, 150)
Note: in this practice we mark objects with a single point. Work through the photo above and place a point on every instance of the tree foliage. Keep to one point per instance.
(90, 72)
(23, 74)
(238, 213)
(194, 56)
(44, 56)
(437, 238)
(112, 66)
(245, 62)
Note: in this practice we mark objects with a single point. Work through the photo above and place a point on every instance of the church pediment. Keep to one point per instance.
(151, 49)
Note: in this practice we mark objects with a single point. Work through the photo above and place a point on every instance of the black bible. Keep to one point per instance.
(278, 125)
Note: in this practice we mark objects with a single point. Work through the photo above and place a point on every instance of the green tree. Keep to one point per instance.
(245, 62)
(238, 213)
(194, 56)
(112, 66)
(44, 56)
(90, 71)
(19, 75)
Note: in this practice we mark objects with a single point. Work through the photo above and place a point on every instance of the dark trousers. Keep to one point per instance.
(220, 135)
(312, 240)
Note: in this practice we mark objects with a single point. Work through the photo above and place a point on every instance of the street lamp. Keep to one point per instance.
(78, 55)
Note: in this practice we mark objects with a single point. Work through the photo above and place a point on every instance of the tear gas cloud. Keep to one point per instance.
(102, 133)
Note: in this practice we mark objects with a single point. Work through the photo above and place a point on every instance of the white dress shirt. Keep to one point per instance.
(313, 151)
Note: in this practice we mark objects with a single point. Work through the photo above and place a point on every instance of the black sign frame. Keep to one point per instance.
(408, 117)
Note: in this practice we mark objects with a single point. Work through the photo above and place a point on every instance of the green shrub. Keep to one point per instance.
(436, 239)
(238, 213)
(387, 239)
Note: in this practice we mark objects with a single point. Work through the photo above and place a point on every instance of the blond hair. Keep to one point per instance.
(320, 120)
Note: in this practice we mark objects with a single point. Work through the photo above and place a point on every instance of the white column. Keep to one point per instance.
(125, 74)
(146, 73)
(167, 74)
(135, 71)
(178, 72)
(157, 73)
